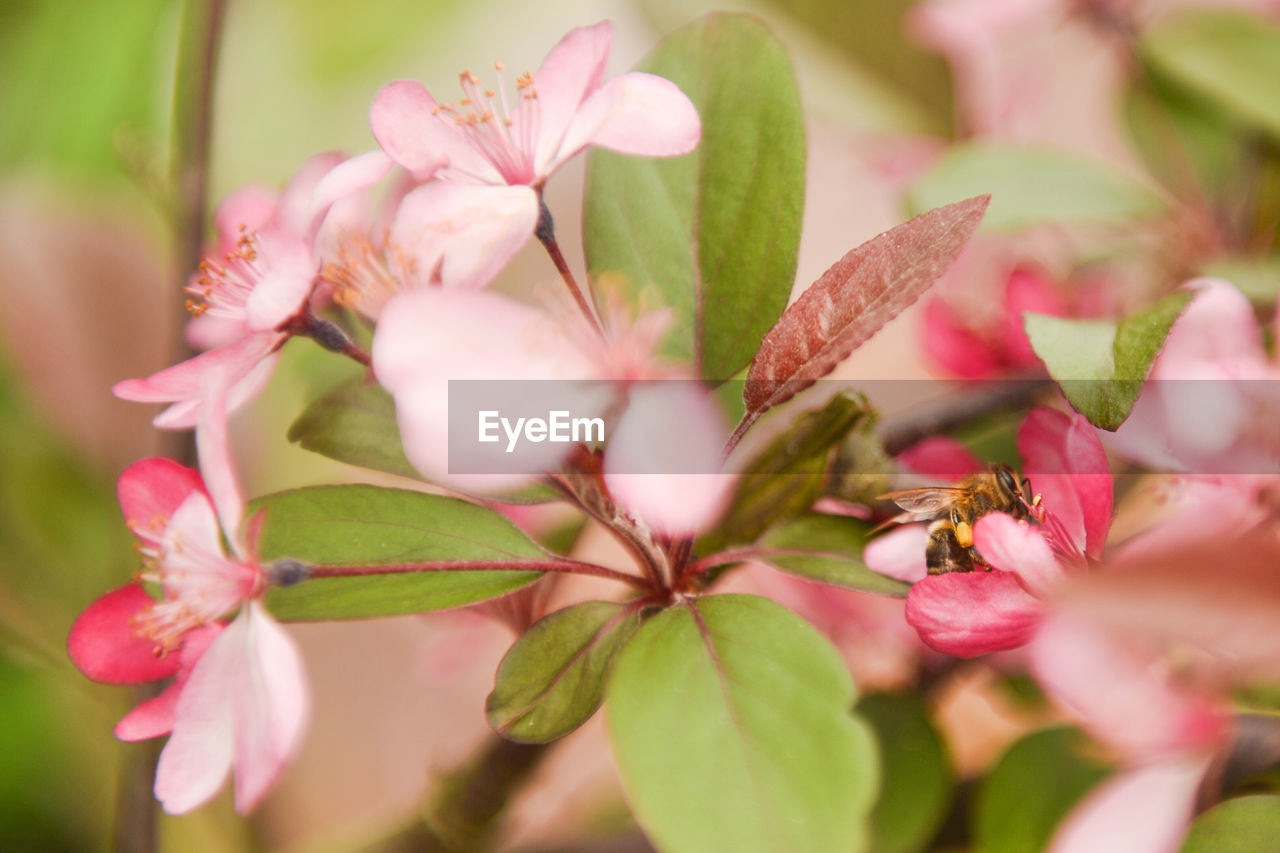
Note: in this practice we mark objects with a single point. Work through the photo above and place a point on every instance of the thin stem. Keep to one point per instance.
(546, 234)
(900, 432)
(627, 537)
(566, 566)
(748, 420)
(190, 133)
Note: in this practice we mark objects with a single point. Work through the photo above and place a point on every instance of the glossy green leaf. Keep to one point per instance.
(1032, 186)
(1230, 57)
(731, 725)
(1101, 365)
(1242, 825)
(828, 549)
(1035, 784)
(552, 680)
(371, 526)
(355, 422)
(918, 784)
(714, 234)
(788, 475)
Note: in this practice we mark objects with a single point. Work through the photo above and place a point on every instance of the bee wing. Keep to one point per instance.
(925, 503)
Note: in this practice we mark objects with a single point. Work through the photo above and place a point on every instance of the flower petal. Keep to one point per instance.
(151, 489)
(271, 707)
(293, 212)
(103, 645)
(899, 553)
(348, 178)
(151, 718)
(195, 761)
(428, 336)
(1017, 547)
(941, 457)
(252, 206)
(1122, 690)
(213, 448)
(1146, 810)
(972, 613)
(461, 234)
(248, 363)
(1068, 467)
(635, 113)
(661, 462)
(1026, 290)
(955, 347)
(571, 71)
(403, 121)
(285, 285)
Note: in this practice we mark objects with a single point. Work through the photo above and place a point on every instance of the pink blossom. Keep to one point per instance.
(973, 613)
(1210, 405)
(239, 700)
(663, 446)
(245, 299)
(974, 350)
(490, 156)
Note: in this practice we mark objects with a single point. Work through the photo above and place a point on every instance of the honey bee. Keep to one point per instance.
(953, 510)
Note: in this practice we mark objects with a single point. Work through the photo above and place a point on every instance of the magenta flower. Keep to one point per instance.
(972, 349)
(239, 699)
(490, 154)
(974, 613)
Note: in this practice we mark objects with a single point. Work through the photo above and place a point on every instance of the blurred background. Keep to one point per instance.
(90, 293)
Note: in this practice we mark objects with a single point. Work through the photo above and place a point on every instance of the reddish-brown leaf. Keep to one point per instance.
(861, 292)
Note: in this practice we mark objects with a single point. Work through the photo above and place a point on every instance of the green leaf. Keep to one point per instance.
(1101, 365)
(730, 722)
(1229, 57)
(371, 526)
(1242, 825)
(355, 423)
(1032, 186)
(788, 475)
(832, 546)
(918, 785)
(715, 233)
(552, 680)
(1035, 784)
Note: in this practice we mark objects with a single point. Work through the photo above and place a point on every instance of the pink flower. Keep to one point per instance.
(663, 445)
(239, 700)
(491, 155)
(974, 613)
(245, 299)
(1210, 404)
(972, 349)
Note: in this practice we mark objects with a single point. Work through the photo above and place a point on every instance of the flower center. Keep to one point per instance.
(360, 277)
(502, 135)
(222, 290)
(199, 587)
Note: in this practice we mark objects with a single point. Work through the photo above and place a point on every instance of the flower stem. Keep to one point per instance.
(553, 564)
(189, 138)
(546, 234)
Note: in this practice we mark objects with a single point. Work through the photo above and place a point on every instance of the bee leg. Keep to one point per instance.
(944, 553)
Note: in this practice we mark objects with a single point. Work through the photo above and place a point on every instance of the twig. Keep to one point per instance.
(546, 234)
(900, 432)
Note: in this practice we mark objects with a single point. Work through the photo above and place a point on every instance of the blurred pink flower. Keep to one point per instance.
(430, 336)
(973, 613)
(1211, 404)
(973, 351)
(239, 699)
(491, 158)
